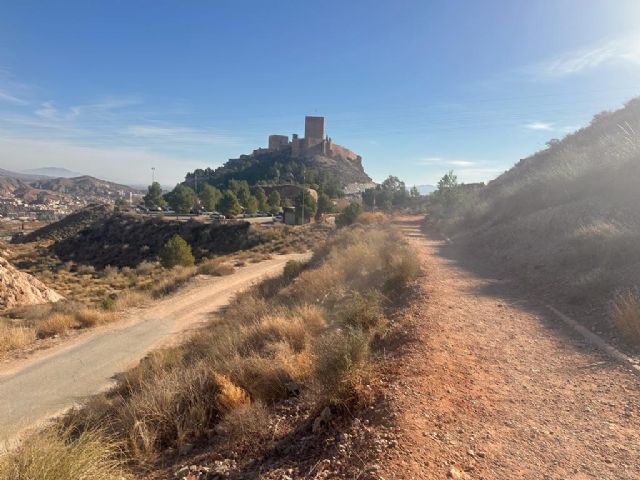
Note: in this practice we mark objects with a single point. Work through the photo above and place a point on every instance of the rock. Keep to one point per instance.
(185, 449)
(457, 474)
(322, 420)
(19, 288)
(293, 389)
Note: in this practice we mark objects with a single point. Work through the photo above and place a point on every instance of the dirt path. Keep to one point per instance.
(38, 388)
(493, 388)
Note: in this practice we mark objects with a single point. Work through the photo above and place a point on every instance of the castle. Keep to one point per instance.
(314, 143)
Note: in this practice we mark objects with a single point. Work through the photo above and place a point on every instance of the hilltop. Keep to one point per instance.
(313, 159)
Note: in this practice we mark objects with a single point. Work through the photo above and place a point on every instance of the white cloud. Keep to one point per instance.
(539, 126)
(444, 161)
(6, 97)
(621, 51)
(179, 134)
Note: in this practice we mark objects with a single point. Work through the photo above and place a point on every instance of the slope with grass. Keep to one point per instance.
(264, 384)
(54, 381)
(566, 221)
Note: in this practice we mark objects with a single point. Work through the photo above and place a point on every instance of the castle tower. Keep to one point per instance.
(314, 127)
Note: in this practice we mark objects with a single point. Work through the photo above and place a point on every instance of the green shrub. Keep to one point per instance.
(176, 252)
(362, 311)
(349, 215)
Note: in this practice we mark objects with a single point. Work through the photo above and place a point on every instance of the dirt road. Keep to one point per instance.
(52, 383)
(494, 388)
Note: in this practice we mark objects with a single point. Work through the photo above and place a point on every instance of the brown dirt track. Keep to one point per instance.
(493, 387)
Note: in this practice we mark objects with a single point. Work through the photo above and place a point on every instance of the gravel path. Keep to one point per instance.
(494, 388)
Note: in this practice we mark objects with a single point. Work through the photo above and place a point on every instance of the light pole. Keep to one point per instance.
(153, 175)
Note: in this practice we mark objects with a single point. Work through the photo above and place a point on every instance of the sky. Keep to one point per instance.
(114, 88)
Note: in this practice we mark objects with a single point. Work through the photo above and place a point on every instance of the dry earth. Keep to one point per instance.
(492, 387)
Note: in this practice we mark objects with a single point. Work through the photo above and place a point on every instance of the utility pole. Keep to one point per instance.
(195, 181)
(153, 175)
(303, 183)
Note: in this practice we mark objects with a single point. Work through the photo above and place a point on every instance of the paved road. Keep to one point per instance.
(39, 389)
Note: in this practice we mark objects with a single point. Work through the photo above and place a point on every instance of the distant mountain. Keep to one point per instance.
(84, 186)
(21, 176)
(53, 172)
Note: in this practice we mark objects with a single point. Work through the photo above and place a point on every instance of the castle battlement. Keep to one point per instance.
(314, 142)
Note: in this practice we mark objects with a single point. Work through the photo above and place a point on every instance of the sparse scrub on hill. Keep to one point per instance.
(626, 315)
(284, 337)
(566, 216)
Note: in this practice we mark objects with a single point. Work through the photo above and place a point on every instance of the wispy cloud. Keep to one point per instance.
(445, 161)
(8, 98)
(179, 134)
(622, 51)
(539, 126)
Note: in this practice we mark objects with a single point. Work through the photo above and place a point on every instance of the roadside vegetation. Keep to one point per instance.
(567, 216)
(307, 336)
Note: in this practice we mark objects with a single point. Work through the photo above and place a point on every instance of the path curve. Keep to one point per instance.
(55, 381)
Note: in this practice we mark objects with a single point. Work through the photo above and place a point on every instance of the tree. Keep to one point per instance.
(176, 252)
(414, 193)
(252, 204)
(310, 205)
(325, 205)
(349, 215)
(182, 199)
(261, 197)
(241, 190)
(154, 198)
(210, 196)
(229, 204)
(274, 202)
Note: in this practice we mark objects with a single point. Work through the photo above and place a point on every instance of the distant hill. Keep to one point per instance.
(84, 186)
(21, 176)
(53, 172)
(566, 219)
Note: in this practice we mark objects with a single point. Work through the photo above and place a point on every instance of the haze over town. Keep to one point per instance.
(112, 89)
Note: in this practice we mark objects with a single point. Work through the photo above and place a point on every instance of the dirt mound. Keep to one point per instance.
(68, 226)
(19, 288)
(126, 240)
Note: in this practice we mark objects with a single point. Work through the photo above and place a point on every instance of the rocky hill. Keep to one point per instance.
(68, 226)
(18, 288)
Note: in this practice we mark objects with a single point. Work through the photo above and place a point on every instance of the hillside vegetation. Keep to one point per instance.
(261, 372)
(566, 219)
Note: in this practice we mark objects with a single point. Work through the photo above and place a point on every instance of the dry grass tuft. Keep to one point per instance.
(53, 456)
(13, 337)
(55, 324)
(230, 395)
(626, 315)
(215, 268)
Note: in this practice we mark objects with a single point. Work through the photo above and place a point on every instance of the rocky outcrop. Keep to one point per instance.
(19, 288)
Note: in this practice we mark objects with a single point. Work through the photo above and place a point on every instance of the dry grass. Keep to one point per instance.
(271, 341)
(53, 456)
(626, 315)
(14, 337)
(372, 218)
(215, 268)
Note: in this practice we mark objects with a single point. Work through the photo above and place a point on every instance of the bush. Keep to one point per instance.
(362, 311)
(349, 214)
(292, 269)
(145, 268)
(13, 337)
(626, 315)
(176, 252)
(215, 268)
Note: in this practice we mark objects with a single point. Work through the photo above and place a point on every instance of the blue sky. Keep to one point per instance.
(112, 88)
